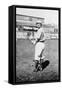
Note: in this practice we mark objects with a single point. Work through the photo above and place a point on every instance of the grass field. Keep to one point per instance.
(24, 59)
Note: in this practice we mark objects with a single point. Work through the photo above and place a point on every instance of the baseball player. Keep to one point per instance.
(39, 44)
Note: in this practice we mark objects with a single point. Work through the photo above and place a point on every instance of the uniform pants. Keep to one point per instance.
(39, 47)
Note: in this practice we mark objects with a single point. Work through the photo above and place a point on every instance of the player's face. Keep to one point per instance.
(38, 25)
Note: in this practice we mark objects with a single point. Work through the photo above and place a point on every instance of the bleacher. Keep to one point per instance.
(27, 24)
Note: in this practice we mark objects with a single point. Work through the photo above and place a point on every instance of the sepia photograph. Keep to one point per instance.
(37, 45)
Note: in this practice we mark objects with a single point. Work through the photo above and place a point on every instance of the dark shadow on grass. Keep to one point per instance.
(45, 64)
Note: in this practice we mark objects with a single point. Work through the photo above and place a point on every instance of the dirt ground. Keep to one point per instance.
(25, 51)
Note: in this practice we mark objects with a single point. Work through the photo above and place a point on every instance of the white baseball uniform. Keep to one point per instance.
(39, 47)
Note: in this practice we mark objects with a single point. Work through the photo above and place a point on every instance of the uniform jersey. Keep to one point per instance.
(40, 34)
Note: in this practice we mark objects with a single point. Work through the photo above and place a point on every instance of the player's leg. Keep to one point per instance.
(39, 49)
(37, 53)
(41, 54)
(42, 50)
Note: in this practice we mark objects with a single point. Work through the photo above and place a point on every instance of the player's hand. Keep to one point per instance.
(33, 41)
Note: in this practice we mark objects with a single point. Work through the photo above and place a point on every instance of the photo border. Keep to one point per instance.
(14, 42)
